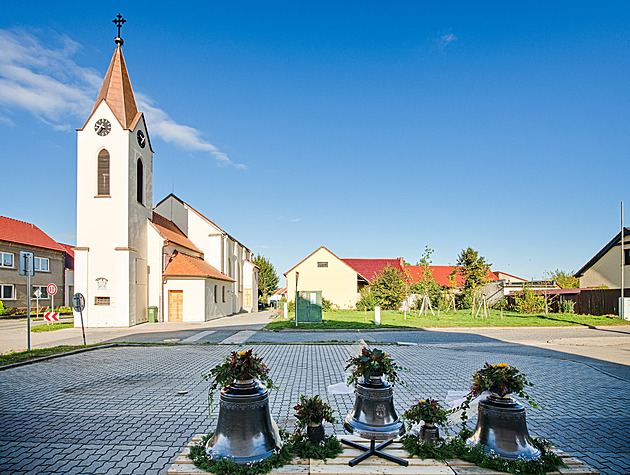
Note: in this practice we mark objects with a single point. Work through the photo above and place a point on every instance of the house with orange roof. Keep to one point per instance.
(49, 263)
(130, 255)
(339, 280)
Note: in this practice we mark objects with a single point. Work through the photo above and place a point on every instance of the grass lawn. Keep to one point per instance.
(352, 319)
(51, 327)
(20, 356)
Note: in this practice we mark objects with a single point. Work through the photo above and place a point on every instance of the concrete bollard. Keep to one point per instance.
(377, 315)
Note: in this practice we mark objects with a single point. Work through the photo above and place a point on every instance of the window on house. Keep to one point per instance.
(139, 183)
(223, 292)
(7, 292)
(215, 294)
(6, 259)
(103, 173)
(626, 256)
(322, 264)
(42, 264)
(101, 300)
(43, 294)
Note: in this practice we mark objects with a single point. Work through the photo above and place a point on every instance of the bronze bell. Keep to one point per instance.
(374, 416)
(245, 431)
(502, 429)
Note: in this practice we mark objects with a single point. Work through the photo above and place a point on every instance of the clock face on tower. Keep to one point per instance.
(142, 140)
(102, 127)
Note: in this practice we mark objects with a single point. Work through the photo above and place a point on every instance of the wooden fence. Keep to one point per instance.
(587, 301)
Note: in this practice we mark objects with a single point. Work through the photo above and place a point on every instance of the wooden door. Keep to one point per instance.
(175, 305)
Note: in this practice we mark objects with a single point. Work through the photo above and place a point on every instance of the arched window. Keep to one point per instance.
(103, 173)
(139, 182)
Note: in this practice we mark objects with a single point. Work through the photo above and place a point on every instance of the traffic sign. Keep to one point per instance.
(78, 302)
(51, 316)
(51, 289)
(26, 263)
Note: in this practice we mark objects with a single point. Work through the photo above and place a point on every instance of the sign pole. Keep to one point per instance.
(83, 329)
(28, 309)
(297, 276)
(621, 302)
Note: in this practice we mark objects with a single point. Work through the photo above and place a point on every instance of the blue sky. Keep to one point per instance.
(372, 128)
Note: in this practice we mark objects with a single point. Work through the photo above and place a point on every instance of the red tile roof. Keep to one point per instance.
(369, 268)
(169, 230)
(20, 232)
(69, 255)
(116, 91)
(182, 265)
(440, 274)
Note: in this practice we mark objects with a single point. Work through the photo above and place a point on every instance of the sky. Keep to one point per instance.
(372, 128)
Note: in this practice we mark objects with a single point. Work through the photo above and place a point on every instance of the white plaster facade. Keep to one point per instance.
(123, 249)
(604, 269)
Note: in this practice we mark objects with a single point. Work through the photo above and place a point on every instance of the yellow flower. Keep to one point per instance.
(501, 365)
(241, 353)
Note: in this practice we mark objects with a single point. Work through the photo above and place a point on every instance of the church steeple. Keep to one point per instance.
(116, 89)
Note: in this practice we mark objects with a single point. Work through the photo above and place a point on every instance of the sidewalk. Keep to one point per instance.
(121, 409)
(13, 333)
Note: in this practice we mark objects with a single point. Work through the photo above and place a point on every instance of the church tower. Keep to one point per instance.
(114, 203)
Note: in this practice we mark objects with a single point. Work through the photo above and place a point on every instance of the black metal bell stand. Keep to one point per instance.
(374, 417)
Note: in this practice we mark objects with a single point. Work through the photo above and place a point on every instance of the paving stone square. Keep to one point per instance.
(118, 409)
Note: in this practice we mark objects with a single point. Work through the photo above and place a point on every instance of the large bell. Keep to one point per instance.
(502, 429)
(245, 431)
(374, 416)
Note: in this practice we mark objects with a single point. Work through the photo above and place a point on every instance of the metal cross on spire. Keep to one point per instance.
(119, 21)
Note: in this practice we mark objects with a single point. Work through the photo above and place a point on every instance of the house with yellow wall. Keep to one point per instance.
(604, 269)
(339, 280)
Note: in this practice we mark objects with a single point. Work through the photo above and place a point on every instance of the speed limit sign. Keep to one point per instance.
(51, 289)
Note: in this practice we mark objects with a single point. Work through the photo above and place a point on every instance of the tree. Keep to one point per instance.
(565, 280)
(267, 277)
(388, 288)
(474, 270)
(426, 284)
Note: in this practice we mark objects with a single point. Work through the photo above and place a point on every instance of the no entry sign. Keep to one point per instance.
(51, 289)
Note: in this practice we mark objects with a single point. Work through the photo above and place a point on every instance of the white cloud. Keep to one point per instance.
(41, 78)
(295, 220)
(444, 40)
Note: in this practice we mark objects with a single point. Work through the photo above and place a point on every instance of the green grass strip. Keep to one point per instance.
(51, 327)
(358, 320)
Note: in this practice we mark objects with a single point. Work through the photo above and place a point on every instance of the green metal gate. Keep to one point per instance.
(309, 306)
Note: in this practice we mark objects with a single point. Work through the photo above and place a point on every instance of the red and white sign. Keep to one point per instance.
(51, 289)
(51, 316)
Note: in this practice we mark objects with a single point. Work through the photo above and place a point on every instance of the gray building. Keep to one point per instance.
(49, 263)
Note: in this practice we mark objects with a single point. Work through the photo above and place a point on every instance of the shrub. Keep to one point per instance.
(327, 305)
(367, 301)
(2, 309)
(388, 288)
(566, 306)
(529, 301)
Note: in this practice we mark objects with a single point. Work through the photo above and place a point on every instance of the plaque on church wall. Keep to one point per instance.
(101, 282)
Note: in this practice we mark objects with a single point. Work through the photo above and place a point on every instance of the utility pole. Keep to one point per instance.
(621, 301)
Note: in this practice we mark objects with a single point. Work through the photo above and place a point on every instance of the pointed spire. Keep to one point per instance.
(116, 91)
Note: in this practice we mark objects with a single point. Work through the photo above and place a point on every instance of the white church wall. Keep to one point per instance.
(175, 210)
(193, 298)
(221, 308)
(154, 260)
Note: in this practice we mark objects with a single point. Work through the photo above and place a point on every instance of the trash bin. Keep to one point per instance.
(152, 314)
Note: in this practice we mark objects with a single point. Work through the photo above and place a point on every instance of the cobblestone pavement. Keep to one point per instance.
(117, 410)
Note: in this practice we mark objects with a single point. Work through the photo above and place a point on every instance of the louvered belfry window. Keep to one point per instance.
(139, 182)
(103, 173)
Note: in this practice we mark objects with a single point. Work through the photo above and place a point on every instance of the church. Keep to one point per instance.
(132, 257)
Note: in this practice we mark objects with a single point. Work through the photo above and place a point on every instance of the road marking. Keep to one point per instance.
(239, 337)
(198, 336)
